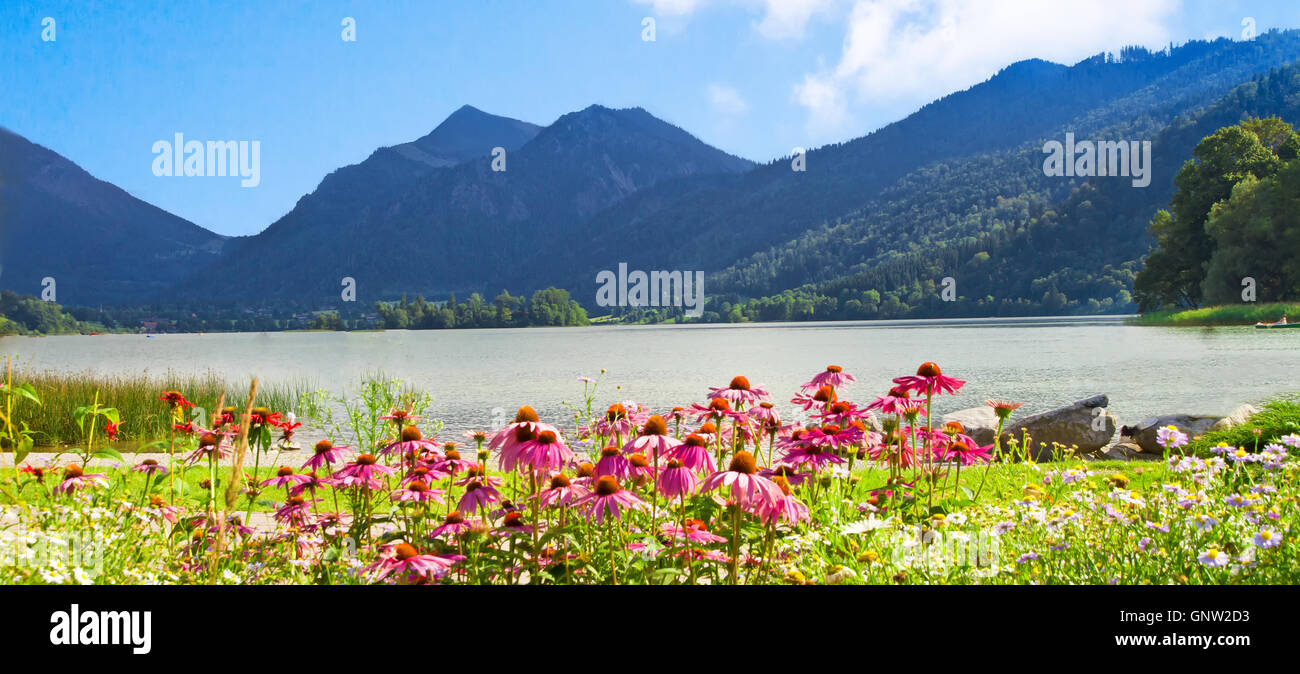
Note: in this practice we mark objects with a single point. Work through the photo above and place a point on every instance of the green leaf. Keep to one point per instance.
(111, 414)
(23, 449)
(29, 392)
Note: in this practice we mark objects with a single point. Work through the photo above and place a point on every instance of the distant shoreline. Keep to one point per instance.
(1226, 315)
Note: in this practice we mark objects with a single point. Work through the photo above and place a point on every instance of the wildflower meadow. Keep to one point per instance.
(865, 486)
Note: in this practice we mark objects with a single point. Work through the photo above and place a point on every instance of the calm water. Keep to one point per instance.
(1044, 362)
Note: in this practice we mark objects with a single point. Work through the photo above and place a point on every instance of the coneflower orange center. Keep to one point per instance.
(546, 437)
(610, 451)
(526, 413)
(559, 480)
(208, 440)
(739, 384)
(655, 425)
(404, 551)
(411, 434)
(586, 469)
(324, 446)
(743, 462)
(284, 471)
(607, 485)
(366, 460)
(836, 369)
(928, 369)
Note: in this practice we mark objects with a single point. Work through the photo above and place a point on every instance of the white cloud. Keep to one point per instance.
(787, 19)
(726, 101)
(913, 51)
(779, 20)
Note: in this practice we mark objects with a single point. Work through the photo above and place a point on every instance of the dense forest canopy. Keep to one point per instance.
(1232, 218)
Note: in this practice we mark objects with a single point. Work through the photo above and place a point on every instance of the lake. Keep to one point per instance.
(480, 376)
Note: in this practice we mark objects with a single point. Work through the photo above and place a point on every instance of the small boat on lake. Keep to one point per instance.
(1264, 326)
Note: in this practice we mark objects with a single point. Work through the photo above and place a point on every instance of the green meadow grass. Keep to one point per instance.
(1232, 314)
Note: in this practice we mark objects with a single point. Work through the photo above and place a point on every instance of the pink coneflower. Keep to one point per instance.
(830, 436)
(608, 498)
(423, 474)
(309, 483)
(404, 558)
(619, 421)
(967, 452)
(75, 478)
(477, 472)
(895, 402)
(513, 522)
(400, 418)
(765, 416)
(834, 376)
(561, 492)
(641, 468)
(584, 474)
(677, 480)
(694, 454)
(285, 478)
(930, 380)
(410, 443)
(295, 511)
(812, 455)
(478, 494)
(747, 487)
(451, 463)
(416, 492)
(1002, 408)
(693, 531)
(819, 398)
(364, 472)
(612, 462)
(479, 437)
(739, 392)
(792, 475)
(545, 453)
(654, 439)
(844, 413)
(717, 410)
(150, 467)
(453, 525)
(211, 446)
(897, 451)
(525, 428)
(324, 452)
(788, 508)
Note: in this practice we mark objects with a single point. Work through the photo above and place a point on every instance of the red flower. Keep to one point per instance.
(175, 399)
(111, 429)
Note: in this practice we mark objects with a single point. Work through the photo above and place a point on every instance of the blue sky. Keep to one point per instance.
(754, 77)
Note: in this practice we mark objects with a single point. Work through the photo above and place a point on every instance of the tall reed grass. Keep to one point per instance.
(144, 416)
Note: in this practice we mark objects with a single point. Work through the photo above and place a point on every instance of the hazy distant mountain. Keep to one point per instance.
(357, 192)
(466, 227)
(97, 242)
